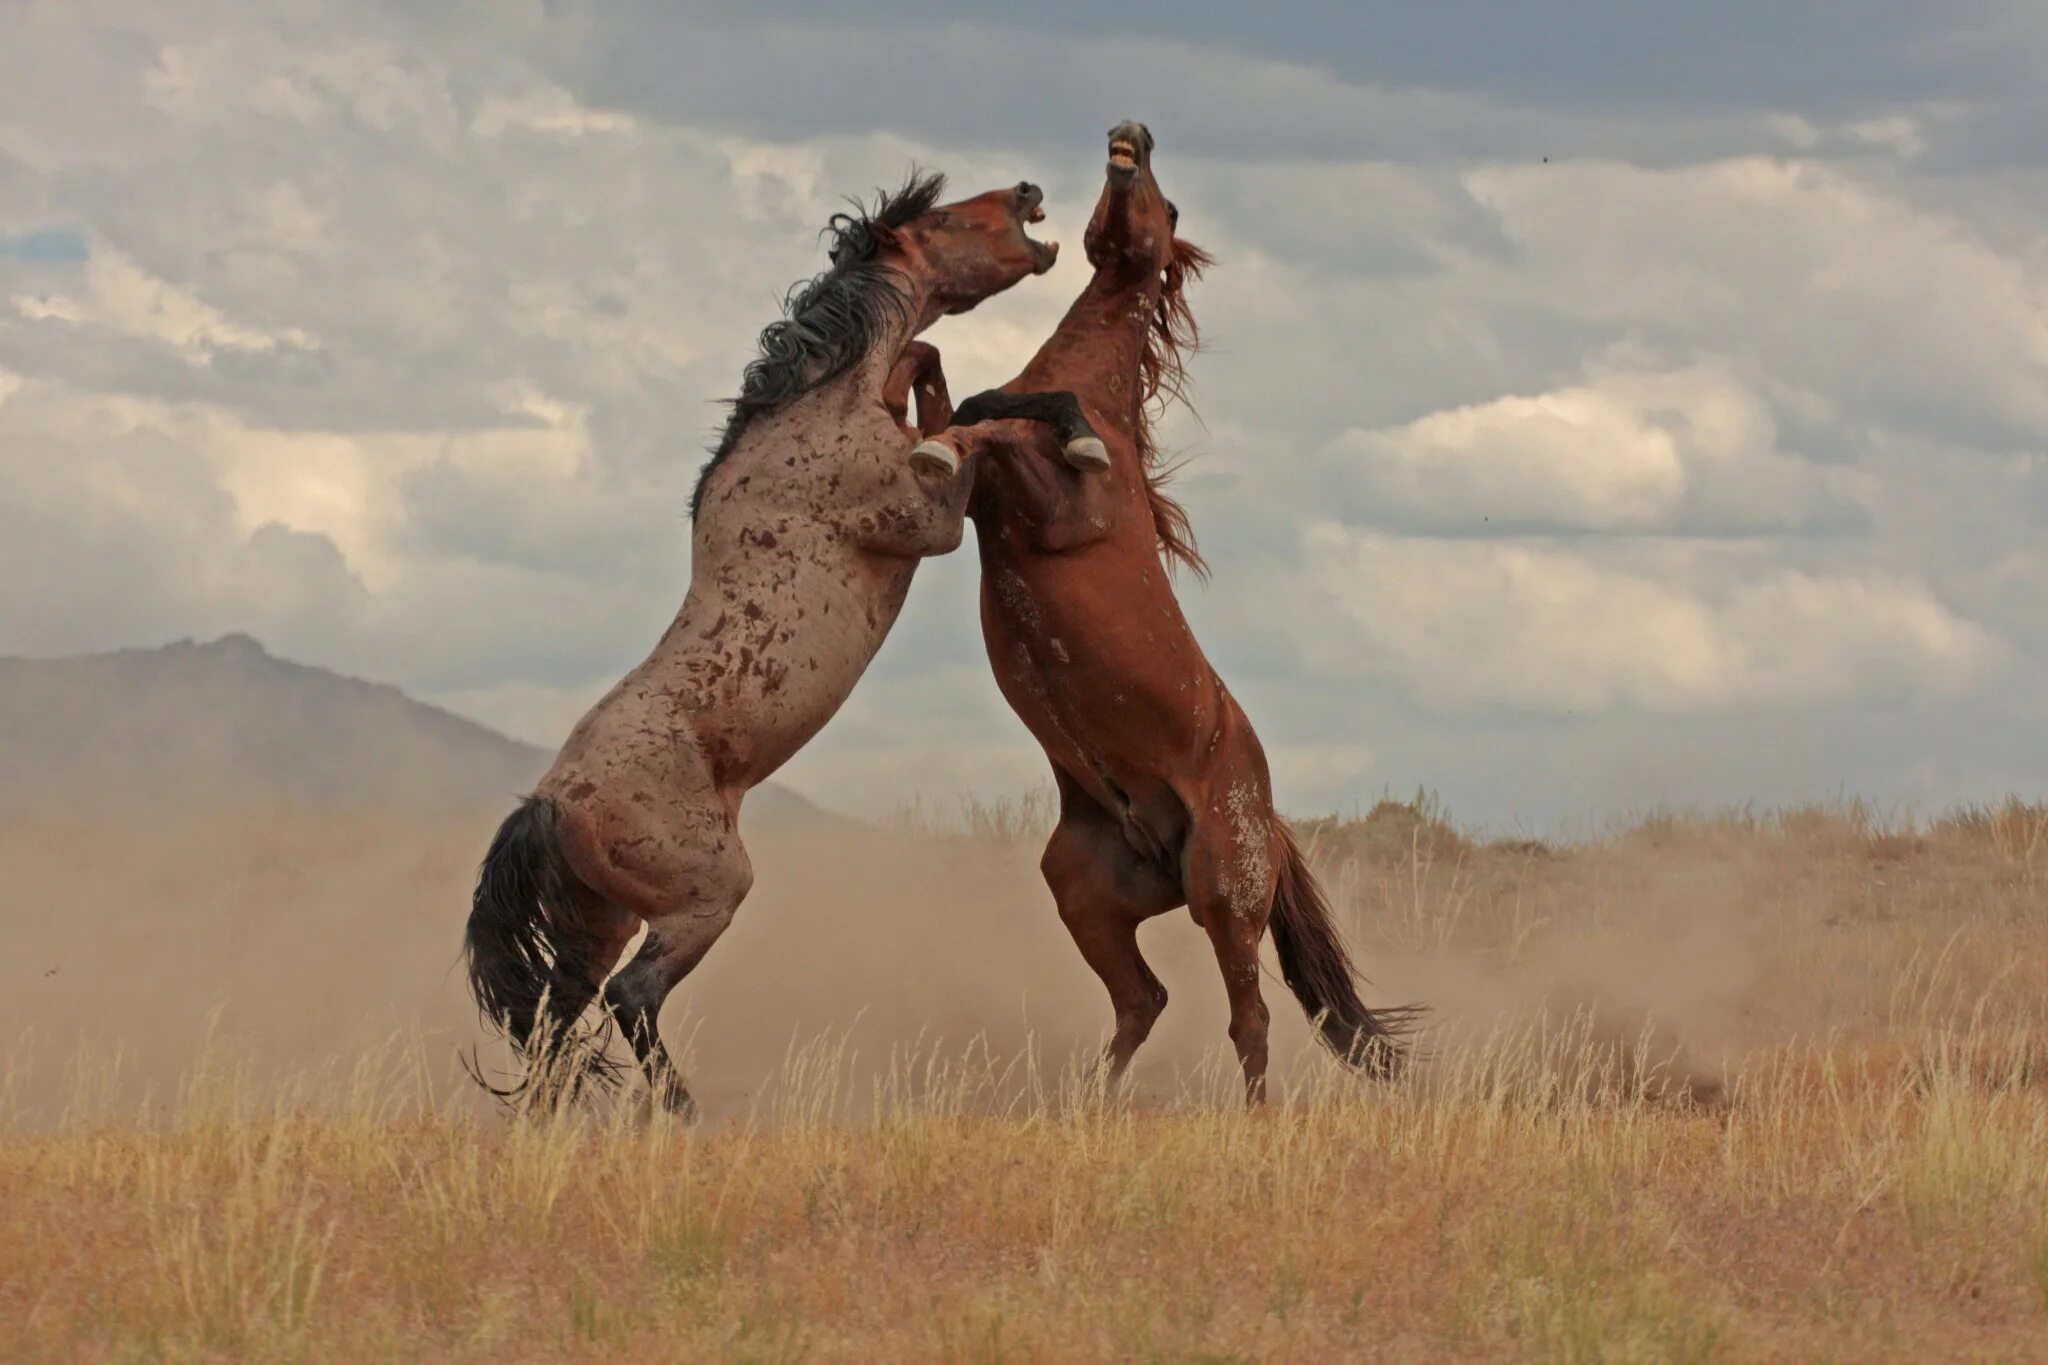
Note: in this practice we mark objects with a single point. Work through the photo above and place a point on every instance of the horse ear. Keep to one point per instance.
(883, 233)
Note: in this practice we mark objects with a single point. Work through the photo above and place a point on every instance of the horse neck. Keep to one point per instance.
(766, 433)
(920, 311)
(1096, 350)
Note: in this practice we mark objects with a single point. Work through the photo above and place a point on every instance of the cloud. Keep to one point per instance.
(1626, 450)
(1902, 313)
(548, 111)
(1550, 630)
(1374, 82)
(117, 295)
(114, 532)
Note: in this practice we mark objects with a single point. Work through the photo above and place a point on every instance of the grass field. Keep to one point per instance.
(1734, 1087)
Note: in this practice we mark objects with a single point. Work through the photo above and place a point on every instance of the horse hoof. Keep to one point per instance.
(936, 457)
(672, 1098)
(1087, 452)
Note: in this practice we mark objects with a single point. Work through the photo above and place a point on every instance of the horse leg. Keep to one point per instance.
(934, 402)
(1230, 877)
(681, 868)
(1063, 508)
(540, 941)
(1104, 889)
(609, 929)
(682, 924)
(918, 369)
(1060, 410)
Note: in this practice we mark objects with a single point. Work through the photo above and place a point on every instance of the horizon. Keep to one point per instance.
(958, 810)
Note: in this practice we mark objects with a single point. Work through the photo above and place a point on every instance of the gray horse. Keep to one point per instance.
(808, 524)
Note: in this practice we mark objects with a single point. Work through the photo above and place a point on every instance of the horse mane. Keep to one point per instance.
(1162, 378)
(832, 320)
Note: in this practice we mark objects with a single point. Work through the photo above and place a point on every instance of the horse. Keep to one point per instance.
(807, 528)
(1164, 795)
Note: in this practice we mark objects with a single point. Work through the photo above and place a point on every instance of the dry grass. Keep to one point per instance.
(1871, 1184)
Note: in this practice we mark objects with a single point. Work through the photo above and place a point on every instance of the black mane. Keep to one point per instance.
(831, 321)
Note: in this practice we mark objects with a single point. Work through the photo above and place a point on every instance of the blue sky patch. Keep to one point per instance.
(66, 244)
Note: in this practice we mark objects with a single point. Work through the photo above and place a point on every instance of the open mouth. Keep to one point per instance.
(1130, 148)
(1043, 253)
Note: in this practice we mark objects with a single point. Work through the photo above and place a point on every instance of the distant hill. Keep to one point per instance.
(228, 723)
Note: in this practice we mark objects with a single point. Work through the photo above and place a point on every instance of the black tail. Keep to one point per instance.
(530, 949)
(1316, 968)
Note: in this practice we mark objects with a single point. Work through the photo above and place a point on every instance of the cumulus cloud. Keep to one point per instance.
(463, 329)
(113, 531)
(1899, 311)
(116, 294)
(1625, 450)
(1547, 629)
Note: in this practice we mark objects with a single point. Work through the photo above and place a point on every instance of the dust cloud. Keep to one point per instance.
(283, 939)
(279, 941)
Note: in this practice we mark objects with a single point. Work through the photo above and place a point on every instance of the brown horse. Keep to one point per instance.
(808, 525)
(1164, 794)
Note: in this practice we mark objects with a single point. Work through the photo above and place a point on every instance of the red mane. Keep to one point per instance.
(1162, 378)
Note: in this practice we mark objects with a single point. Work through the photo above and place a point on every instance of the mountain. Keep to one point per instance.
(227, 723)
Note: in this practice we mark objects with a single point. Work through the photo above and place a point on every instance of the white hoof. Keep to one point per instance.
(936, 457)
(1086, 452)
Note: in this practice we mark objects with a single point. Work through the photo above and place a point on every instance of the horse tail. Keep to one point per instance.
(530, 949)
(1316, 967)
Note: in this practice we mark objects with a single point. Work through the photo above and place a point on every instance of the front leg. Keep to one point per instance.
(1060, 410)
(918, 369)
(934, 404)
(1063, 508)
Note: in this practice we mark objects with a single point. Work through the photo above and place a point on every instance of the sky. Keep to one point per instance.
(1607, 405)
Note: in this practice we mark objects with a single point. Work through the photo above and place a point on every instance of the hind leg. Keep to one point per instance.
(1105, 889)
(684, 871)
(676, 942)
(607, 931)
(680, 931)
(1230, 877)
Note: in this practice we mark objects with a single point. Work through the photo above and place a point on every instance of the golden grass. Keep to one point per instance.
(1873, 1184)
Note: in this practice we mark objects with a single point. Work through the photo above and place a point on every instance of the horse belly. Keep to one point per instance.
(1123, 694)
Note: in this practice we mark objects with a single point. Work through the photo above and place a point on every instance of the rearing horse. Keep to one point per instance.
(1164, 794)
(807, 527)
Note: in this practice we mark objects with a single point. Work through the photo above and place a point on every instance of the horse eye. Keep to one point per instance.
(1173, 210)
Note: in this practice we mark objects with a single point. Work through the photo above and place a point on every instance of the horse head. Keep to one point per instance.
(965, 251)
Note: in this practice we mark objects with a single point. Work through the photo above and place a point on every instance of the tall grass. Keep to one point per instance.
(1859, 1172)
